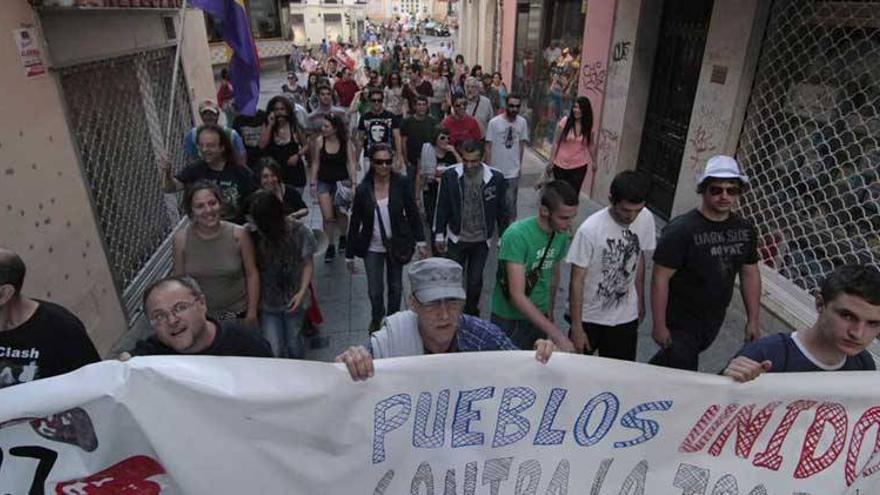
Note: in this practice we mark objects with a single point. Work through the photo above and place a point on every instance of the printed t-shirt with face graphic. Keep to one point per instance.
(609, 252)
(524, 243)
(378, 128)
(707, 257)
(52, 342)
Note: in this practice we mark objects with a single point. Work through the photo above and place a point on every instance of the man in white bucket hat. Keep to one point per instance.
(696, 263)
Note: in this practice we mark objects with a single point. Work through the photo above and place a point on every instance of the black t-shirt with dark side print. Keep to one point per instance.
(707, 257)
(52, 342)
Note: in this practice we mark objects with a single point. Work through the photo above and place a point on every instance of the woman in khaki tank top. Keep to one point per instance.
(219, 255)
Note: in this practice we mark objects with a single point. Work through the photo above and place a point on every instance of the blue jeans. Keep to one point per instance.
(375, 264)
(472, 258)
(282, 330)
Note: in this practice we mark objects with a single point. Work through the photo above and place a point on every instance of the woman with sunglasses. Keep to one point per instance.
(571, 156)
(384, 230)
(219, 255)
(436, 157)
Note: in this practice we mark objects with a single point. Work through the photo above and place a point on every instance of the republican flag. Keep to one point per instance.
(244, 68)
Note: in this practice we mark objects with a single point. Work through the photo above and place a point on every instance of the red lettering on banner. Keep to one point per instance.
(128, 477)
(770, 458)
(828, 412)
(747, 429)
(699, 435)
(870, 418)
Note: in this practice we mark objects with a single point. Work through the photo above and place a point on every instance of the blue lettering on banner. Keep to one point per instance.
(546, 435)
(512, 416)
(462, 436)
(382, 425)
(609, 414)
(436, 439)
(648, 427)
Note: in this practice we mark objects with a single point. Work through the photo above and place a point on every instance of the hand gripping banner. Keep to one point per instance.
(495, 423)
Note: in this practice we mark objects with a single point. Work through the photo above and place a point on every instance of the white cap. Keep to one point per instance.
(723, 167)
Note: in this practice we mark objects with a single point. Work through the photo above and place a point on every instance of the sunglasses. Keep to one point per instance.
(376, 100)
(380, 161)
(460, 105)
(731, 191)
(513, 106)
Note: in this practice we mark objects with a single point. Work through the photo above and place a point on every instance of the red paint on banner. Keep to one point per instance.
(828, 413)
(770, 458)
(747, 429)
(128, 477)
(870, 418)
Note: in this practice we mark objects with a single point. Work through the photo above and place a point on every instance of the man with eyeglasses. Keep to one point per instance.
(505, 136)
(461, 126)
(695, 266)
(434, 324)
(378, 125)
(176, 309)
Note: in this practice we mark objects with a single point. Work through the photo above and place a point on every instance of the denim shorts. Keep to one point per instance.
(326, 187)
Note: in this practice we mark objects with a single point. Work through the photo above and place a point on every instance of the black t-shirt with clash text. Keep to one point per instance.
(52, 342)
(378, 128)
(707, 257)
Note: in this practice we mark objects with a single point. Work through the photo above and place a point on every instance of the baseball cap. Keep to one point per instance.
(208, 106)
(723, 167)
(435, 278)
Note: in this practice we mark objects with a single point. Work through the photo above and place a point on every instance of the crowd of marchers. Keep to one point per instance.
(414, 162)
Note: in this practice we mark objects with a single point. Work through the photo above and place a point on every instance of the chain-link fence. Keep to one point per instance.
(810, 139)
(118, 110)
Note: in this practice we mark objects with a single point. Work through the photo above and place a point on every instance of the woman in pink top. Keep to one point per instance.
(571, 156)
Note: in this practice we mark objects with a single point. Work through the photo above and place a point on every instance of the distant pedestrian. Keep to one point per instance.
(571, 156)
(506, 136)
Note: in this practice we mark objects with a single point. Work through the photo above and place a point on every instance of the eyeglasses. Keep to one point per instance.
(376, 100)
(162, 318)
(449, 303)
(731, 191)
(380, 161)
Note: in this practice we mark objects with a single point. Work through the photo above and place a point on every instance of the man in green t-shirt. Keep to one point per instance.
(528, 269)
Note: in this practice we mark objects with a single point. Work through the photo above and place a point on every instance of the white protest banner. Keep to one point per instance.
(487, 423)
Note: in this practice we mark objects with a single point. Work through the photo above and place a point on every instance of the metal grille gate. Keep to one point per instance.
(118, 110)
(810, 139)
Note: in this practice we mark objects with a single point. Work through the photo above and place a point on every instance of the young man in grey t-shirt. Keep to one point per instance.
(505, 136)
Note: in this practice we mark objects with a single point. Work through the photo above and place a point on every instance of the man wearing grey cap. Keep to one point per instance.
(434, 324)
(695, 266)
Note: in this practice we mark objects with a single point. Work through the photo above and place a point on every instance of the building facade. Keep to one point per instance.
(479, 32)
(279, 24)
(91, 91)
(791, 88)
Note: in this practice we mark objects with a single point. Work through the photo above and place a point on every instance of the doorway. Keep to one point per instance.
(683, 28)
